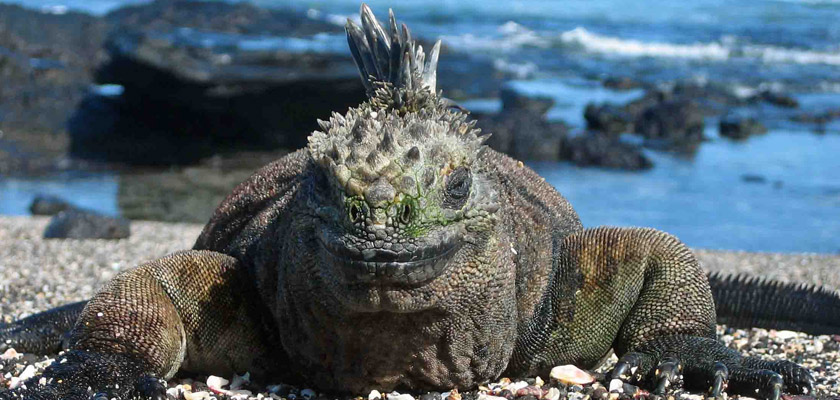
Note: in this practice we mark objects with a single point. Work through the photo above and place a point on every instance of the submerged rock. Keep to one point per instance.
(83, 224)
(739, 128)
(608, 118)
(602, 150)
(521, 129)
(672, 124)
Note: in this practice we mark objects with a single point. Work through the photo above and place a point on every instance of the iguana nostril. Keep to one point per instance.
(405, 213)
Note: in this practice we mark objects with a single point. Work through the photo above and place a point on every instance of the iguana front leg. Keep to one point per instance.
(193, 310)
(641, 292)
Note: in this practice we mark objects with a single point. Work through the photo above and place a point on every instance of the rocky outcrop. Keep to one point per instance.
(739, 127)
(598, 149)
(672, 124)
(46, 63)
(203, 78)
(521, 129)
(608, 118)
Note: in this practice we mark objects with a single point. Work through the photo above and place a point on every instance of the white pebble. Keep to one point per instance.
(616, 385)
(785, 335)
(513, 387)
(10, 354)
(571, 375)
(196, 395)
(553, 394)
(216, 382)
(374, 395)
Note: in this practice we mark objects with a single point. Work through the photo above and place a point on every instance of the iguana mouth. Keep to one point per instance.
(379, 265)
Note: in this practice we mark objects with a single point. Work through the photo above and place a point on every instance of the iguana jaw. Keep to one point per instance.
(385, 267)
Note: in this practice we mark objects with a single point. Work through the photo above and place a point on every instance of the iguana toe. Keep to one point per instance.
(720, 380)
(151, 388)
(760, 383)
(668, 374)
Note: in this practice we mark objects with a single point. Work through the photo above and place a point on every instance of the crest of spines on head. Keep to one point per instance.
(404, 128)
(395, 70)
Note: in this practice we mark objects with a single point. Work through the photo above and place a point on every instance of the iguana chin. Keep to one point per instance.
(398, 252)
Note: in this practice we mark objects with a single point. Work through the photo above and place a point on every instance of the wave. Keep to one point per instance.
(635, 48)
(512, 36)
(722, 50)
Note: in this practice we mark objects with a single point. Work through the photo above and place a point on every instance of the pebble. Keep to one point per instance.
(196, 395)
(374, 395)
(431, 396)
(784, 335)
(240, 380)
(10, 354)
(215, 382)
(571, 375)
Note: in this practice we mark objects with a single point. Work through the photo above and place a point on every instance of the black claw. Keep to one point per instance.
(151, 388)
(721, 378)
(667, 374)
(626, 366)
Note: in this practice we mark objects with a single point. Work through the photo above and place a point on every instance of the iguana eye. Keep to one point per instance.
(458, 187)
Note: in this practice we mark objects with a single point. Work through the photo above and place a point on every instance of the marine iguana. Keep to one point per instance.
(397, 251)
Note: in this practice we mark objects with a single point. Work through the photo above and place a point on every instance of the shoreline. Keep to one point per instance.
(32, 267)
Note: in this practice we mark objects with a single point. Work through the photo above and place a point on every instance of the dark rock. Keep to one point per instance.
(779, 99)
(622, 83)
(608, 118)
(183, 100)
(430, 396)
(46, 62)
(521, 129)
(753, 178)
(204, 78)
(819, 118)
(740, 128)
(672, 124)
(188, 194)
(48, 205)
(601, 150)
(82, 224)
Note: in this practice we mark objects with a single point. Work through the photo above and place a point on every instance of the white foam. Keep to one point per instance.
(725, 49)
(511, 36)
(628, 47)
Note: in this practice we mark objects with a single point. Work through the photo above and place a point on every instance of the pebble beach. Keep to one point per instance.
(37, 274)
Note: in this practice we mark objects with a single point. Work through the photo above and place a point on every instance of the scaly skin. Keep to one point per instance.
(397, 252)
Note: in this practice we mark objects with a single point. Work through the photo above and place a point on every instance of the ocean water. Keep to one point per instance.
(776, 192)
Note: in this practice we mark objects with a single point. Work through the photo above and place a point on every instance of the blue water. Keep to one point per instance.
(95, 191)
(560, 48)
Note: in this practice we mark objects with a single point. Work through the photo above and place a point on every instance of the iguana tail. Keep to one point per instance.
(47, 332)
(743, 301)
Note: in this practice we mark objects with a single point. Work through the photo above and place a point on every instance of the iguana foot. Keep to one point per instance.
(82, 375)
(706, 364)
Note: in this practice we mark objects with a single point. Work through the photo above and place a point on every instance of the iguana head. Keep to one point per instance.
(401, 196)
